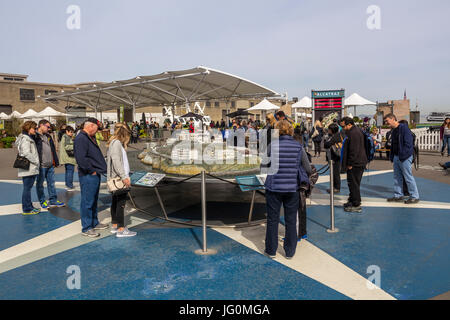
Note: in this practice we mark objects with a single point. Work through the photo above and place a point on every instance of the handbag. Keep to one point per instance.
(116, 186)
(21, 163)
(337, 148)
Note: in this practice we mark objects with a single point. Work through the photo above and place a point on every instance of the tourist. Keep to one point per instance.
(282, 186)
(334, 143)
(118, 167)
(26, 147)
(317, 137)
(402, 156)
(67, 157)
(305, 136)
(91, 165)
(48, 162)
(280, 115)
(377, 138)
(445, 136)
(99, 134)
(61, 132)
(354, 161)
(266, 135)
(191, 126)
(135, 133)
(301, 214)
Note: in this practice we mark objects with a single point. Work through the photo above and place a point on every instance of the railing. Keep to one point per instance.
(428, 140)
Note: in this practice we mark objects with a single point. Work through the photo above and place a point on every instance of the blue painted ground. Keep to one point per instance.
(411, 246)
(161, 264)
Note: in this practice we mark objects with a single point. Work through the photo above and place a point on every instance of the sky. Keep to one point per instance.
(290, 46)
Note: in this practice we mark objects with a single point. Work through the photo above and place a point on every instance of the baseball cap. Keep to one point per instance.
(93, 120)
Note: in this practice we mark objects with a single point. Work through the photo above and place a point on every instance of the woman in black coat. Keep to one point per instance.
(335, 139)
(317, 137)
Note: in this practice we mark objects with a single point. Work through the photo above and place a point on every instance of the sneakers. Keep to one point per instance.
(353, 209)
(334, 190)
(45, 205)
(125, 233)
(412, 201)
(394, 199)
(70, 189)
(113, 230)
(58, 204)
(101, 227)
(33, 212)
(269, 255)
(91, 233)
(348, 204)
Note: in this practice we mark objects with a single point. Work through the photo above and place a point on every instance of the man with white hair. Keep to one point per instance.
(91, 165)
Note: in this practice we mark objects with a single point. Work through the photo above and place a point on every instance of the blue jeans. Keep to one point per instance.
(403, 170)
(290, 201)
(70, 169)
(27, 205)
(90, 187)
(446, 142)
(47, 174)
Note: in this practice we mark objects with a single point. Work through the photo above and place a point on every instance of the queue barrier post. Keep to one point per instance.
(333, 229)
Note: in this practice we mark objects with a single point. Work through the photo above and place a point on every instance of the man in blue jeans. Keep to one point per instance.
(48, 162)
(402, 149)
(91, 165)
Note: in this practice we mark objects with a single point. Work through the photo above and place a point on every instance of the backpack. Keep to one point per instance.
(312, 178)
(369, 145)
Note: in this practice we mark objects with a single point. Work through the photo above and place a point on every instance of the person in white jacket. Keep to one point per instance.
(118, 167)
(27, 148)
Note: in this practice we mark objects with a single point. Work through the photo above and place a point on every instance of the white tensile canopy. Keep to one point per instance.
(264, 105)
(355, 100)
(166, 89)
(29, 114)
(4, 116)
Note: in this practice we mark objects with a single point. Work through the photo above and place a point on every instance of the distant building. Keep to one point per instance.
(400, 108)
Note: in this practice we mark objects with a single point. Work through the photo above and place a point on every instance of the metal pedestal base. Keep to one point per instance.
(209, 252)
(336, 230)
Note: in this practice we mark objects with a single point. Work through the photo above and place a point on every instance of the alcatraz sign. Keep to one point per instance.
(328, 94)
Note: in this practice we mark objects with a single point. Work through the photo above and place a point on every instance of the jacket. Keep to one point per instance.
(66, 144)
(115, 161)
(354, 149)
(287, 152)
(319, 137)
(38, 141)
(405, 143)
(26, 147)
(88, 155)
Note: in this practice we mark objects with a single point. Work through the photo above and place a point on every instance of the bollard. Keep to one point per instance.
(204, 250)
(332, 229)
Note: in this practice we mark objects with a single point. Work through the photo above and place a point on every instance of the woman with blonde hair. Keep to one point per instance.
(118, 167)
(317, 137)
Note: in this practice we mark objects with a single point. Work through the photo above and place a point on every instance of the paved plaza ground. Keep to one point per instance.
(409, 244)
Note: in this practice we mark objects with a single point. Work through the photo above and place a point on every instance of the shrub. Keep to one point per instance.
(7, 142)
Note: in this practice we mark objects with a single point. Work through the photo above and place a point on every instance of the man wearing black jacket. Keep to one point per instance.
(354, 160)
(91, 165)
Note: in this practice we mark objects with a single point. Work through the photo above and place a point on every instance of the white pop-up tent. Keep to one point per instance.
(355, 100)
(50, 112)
(304, 103)
(15, 114)
(264, 106)
(29, 114)
(4, 116)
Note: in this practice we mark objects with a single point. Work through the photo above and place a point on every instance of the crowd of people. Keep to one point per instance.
(288, 186)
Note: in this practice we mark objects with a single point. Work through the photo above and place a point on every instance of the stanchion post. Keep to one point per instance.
(204, 250)
(332, 229)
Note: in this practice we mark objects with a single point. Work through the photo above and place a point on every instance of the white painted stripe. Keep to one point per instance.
(324, 200)
(312, 262)
(325, 179)
(16, 209)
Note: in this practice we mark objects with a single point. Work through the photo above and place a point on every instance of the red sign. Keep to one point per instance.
(333, 103)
